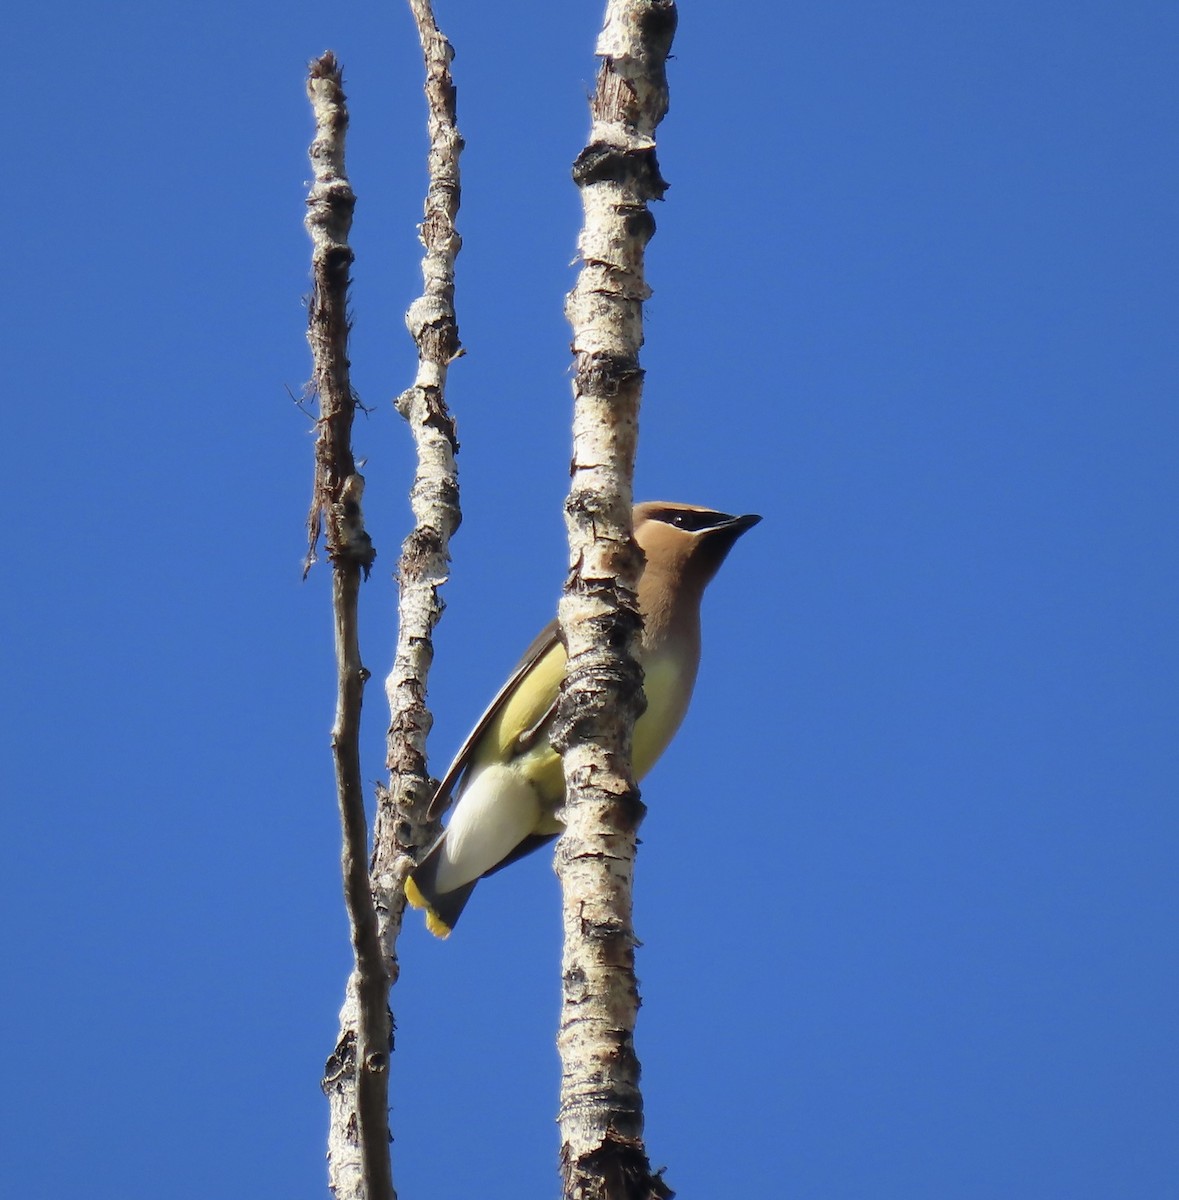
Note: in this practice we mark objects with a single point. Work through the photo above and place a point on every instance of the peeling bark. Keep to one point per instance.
(357, 1078)
(402, 828)
(601, 1112)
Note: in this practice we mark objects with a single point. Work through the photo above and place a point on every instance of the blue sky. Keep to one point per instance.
(907, 890)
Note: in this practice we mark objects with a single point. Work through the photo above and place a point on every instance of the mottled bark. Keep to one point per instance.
(402, 829)
(357, 1076)
(601, 1114)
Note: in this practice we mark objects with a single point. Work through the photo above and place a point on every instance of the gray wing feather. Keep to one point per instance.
(541, 645)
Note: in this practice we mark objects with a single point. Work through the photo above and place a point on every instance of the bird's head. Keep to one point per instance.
(687, 541)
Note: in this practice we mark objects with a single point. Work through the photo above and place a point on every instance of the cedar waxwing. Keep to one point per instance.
(507, 778)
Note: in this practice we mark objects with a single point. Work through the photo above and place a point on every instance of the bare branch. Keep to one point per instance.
(357, 1075)
(402, 828)
(329, 219)
(601, 1115)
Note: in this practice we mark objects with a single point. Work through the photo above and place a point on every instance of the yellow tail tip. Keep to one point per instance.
(434, 923)
(414, 895)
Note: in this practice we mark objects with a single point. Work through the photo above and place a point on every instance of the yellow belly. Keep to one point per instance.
(667, 691)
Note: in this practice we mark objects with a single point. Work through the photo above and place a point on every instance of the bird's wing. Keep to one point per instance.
(543, 644)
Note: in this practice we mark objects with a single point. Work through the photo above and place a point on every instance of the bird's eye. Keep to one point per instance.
(692, 521)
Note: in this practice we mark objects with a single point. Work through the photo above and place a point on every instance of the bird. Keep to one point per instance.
(507, 781)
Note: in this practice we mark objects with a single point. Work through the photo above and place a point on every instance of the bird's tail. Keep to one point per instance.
(442, 908)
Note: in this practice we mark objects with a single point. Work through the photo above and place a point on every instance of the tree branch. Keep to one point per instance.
(358, 1073)
(402, 828)
(601, 1113)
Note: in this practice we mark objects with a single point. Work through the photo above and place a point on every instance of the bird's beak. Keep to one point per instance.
(740, 525)
(721, 537)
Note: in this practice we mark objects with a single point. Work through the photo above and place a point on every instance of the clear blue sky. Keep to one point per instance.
(908, 886)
